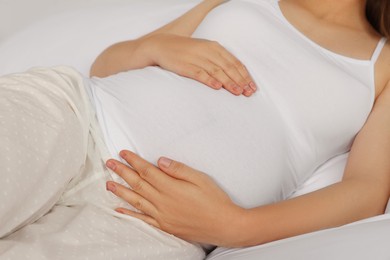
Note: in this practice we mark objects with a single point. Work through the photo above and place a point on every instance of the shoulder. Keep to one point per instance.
(382, 70)
(386, 57)
(383, 99)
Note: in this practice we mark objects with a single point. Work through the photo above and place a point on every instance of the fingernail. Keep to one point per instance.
(165, 162)
(122, 154)
(110, 186)
(111, 165)
(237, 89)
(248, 89)
(120, 211)
(253, 86)
(217, 85)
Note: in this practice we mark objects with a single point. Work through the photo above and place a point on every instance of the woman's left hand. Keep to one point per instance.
(176, 199)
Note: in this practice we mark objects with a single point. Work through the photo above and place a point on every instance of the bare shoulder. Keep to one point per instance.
(382, 70)
(383, 99)
(386, 57)
(385, 95)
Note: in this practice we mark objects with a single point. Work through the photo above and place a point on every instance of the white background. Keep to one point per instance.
(73, 32)
(16, 14)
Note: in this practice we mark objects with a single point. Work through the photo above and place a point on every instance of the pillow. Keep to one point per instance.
(358, 241)
(75, 38)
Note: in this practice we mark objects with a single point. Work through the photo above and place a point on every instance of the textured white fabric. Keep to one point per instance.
(43, 142)
(368, 239)
(53, 199)
(76, 37)
(310, 105)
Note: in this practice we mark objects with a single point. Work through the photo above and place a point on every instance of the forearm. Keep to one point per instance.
(363, 192)
(186, 24)
(133, 54)
(336, 205)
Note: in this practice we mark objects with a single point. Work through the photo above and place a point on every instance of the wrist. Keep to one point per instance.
(215, 3)
(234, 228)
(244, 228)
(145, 49)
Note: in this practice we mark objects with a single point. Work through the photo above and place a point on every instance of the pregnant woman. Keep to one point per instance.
(320, 72)
(308, 81)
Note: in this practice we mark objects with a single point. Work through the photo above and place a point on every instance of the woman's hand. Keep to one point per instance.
(202, 60)
(171, 48)
(177, 199)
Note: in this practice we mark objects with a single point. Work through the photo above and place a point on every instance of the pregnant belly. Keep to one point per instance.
(242, 143)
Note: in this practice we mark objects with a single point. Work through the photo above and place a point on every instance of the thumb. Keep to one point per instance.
(175, 169)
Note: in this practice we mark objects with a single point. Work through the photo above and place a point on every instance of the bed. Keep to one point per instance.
(73, 33)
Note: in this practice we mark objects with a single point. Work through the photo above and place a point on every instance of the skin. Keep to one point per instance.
(162, 192)
(171, 48)
(325, 21)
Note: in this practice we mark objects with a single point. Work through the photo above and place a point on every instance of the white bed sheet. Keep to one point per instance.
(16, 15)
(74, 33)
(75, 37)
(364, 240)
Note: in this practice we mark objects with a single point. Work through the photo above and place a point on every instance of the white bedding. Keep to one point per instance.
(360, 241)
(76, 36)
(56, 206)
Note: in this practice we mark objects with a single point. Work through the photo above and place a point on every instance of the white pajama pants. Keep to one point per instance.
(53, 202)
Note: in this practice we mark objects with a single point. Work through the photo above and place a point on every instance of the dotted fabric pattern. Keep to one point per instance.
(88, 232)
(53, 199)
(41, 148)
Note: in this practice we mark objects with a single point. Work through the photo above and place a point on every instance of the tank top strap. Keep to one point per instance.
(378, 49)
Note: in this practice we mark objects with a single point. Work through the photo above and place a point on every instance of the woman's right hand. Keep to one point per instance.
(205, 61)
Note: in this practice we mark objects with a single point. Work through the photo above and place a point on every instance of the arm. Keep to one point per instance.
(363, 192)
(186, 24)
(163, 198)
(171, 48)
(127, 55)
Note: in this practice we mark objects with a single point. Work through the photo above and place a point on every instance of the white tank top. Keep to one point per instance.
(310, 105)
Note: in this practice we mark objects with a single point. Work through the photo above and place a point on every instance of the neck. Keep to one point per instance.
(350, 13)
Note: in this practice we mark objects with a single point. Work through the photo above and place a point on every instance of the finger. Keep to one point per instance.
(233, 68)
(211, 75)
(145, 170)
(145, 218)
(245, 73)
(199, 74)
(217, 72)
(212, 66)
(247, 80)
(178, 170)
(248, 90)
(132, 178)
(230, 65)
(131, 197)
